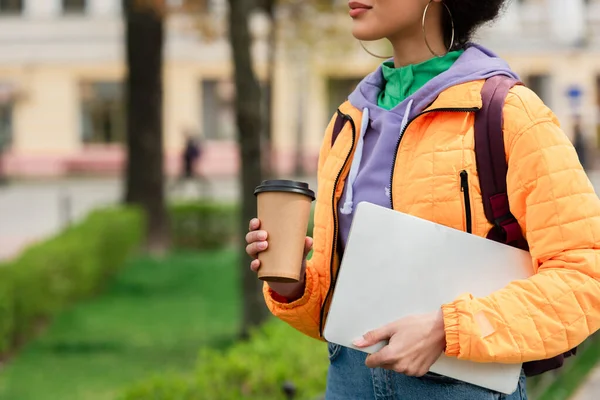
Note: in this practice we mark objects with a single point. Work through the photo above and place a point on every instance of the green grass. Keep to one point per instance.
(575, 372)
(153, 319)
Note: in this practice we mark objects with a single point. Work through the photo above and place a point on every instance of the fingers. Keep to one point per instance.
(308, 245)
(374, 337)
(254, 224)
(254, 248)
(255, 265)
(382, 357)
(256, 236)
(257, 240)
(418, 372)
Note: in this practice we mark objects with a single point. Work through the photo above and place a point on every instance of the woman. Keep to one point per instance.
(435, 68)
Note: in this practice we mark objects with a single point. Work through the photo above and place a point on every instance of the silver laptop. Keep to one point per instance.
(396, 265)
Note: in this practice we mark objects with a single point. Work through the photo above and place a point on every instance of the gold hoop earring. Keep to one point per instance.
(425, 31)
(372, 54)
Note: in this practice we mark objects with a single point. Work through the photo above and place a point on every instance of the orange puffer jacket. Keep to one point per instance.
(550, 195)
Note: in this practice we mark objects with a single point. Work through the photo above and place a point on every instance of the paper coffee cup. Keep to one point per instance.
(284, 212)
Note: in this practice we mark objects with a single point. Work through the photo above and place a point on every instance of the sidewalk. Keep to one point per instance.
(33, 210)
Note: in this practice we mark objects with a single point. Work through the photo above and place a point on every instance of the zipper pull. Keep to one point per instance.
(464, 180)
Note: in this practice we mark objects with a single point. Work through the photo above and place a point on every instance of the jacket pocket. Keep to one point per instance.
(464, 188)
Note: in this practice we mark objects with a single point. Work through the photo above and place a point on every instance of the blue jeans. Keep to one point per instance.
(350, 379)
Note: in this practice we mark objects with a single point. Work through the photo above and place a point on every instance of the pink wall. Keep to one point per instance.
(219, 159)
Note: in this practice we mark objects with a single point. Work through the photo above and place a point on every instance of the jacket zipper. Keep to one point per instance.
(335, 225)
(469, 110)
(464, 188)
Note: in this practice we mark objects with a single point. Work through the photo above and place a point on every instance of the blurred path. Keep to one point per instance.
(32, 210)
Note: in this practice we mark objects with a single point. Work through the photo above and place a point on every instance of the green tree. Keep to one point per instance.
(250, 124)
(303, 28)
(292, 21)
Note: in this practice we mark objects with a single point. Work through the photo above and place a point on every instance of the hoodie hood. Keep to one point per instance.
(476, 63)
(381, 130)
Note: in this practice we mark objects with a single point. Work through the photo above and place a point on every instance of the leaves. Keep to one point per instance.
(162, 7)
(299, 24)
(314, 24)
(256, 369)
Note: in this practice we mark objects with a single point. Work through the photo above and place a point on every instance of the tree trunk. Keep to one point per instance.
(248, 117)
(303, 76)
(271, 82)
(144, 103)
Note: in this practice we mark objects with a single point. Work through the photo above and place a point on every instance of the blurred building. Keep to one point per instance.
(61, 74)
(61, 89)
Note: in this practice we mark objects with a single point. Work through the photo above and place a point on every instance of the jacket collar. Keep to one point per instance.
(465, 95)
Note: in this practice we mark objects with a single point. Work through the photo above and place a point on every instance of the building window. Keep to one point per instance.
(218, 114)
(7, 101)
(541, 84)
(11, 7)
(102, 112)
(6, 125)
(338, 90)
(73, 6)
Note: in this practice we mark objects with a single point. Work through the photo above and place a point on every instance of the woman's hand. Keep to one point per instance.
(258, 241)
(415, 344)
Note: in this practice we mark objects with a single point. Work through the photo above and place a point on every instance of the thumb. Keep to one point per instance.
(373, 337)
(308, 245)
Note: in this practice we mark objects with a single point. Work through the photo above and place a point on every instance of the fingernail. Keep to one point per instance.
(360, 342)
(262, 235)
(262, 245)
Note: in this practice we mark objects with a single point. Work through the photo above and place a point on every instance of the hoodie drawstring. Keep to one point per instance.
(406, 117)
(348, 206)
(349, 203)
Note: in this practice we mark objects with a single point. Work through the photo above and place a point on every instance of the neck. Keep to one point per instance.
(410, 46)
(410, 52)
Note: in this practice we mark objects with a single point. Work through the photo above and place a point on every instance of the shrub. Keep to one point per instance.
(254, 369)
(75, 263)
(7, 320)
(207, 226)
(203, 225)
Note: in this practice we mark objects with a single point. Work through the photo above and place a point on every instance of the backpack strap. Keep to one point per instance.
(492, 169)
(491, 162)
(340, 121)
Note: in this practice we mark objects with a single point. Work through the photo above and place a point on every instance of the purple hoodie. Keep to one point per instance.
(371, 170)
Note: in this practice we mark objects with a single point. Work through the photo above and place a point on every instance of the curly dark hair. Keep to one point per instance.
(468, 16)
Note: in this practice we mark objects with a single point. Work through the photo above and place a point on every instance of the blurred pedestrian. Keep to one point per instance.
(190, 157)
(414, 120)
(191, 174)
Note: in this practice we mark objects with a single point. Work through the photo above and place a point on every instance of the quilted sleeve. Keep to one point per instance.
(559, 307)
(304, 314)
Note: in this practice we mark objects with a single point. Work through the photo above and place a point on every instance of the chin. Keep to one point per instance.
(365, 33)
